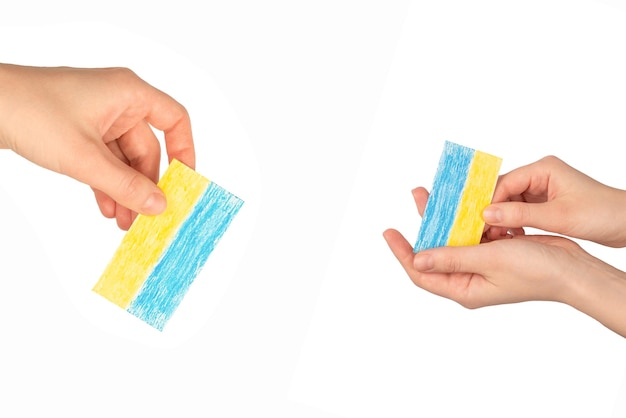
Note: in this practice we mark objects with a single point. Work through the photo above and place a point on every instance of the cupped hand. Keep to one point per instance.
(522, 268)
(96, 126)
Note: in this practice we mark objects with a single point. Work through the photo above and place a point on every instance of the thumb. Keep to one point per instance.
(127, 186)
(463, 259)
(521, 214)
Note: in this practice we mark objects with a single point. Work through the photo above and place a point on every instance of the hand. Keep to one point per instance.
(552, 196)
(517, 269)
(95, 125)
(520, 268)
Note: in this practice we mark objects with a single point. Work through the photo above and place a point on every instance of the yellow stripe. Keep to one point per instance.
(477, 194)
(148, 236)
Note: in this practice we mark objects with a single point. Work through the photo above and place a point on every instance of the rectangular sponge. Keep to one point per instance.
(160, 256)
(464, 184)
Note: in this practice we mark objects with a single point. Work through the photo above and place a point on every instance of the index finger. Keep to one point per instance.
(529, 180)
(172, 118)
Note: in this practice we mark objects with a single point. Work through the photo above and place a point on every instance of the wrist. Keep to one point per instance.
(599, 291)
(615, 222)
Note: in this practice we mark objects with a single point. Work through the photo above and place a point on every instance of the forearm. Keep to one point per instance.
(600, 292)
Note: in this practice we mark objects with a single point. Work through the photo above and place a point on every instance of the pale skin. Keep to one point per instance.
(95, 125)
(510, 266)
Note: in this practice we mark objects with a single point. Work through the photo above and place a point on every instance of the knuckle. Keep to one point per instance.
(180, 113)
(121, 75)
(469, 304)
(451, 264)
(550, 160)
(468, 299)
(520, 214)
(123, 72)
(130, 187)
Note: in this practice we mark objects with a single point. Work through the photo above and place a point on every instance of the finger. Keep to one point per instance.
(124, 217)
(547, 216)
(172, 118)
(400, 248)
(93, 163)
(531, 180)
(109, 208)
(493, 233)
(105, 204)
(115, 149)
(454, 287)
(420, 195)
(465, 259)
(141, 150)
(120, 148)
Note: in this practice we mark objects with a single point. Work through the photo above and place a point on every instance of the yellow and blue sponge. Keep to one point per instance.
(160, 256)
(463, 186)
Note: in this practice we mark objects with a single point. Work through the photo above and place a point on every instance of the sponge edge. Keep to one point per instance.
(463, 186)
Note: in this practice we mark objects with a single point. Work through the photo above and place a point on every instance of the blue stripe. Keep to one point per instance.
(181, 262)
(445, 196)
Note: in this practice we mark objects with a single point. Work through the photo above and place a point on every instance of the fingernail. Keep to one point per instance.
(423, 262)
(154, 204)
(492, 215)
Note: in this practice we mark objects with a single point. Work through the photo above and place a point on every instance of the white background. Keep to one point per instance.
(322, 116)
